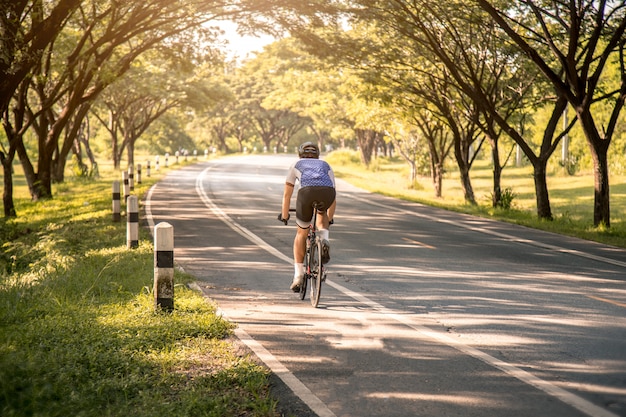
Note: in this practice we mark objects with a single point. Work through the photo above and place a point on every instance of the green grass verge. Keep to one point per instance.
(571, 197)
(79, 334)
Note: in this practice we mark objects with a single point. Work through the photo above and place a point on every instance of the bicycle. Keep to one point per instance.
(314, 270)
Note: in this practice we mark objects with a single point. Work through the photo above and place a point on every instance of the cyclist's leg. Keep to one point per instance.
(299, 244)
(326, 195)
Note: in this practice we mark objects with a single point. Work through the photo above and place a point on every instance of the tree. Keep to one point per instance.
(27, 28)
(273, 121)
(427, 93)
(571, 44)
(130, 113)
(97, 47)
(493, 73)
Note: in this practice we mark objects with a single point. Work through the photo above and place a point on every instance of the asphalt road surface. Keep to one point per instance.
(425, 312)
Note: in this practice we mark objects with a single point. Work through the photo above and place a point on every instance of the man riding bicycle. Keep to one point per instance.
(317, 184)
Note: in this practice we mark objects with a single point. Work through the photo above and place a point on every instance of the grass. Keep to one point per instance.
(571, 197)
(79, 333)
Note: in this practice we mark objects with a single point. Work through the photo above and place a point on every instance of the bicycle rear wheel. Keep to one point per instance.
(316, 272)
(305, 280)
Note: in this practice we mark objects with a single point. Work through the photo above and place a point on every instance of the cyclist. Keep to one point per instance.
(317, 184)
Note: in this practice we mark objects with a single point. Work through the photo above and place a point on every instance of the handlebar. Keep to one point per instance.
(286, 221)
(280, 218)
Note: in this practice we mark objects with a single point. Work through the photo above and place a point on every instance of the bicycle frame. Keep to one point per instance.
(314, 271)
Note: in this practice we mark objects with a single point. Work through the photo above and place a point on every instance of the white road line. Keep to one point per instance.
(494, 233)
(299, 389)
(567, 397)
(314, 402)
(148, 208)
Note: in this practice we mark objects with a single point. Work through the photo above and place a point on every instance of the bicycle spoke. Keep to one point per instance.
(316, 272)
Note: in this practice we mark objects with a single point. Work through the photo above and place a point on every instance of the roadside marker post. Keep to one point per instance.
(138, 173)
(132, 224)
(126, 186)
(116, 202)
(164, 266)
(131, 178)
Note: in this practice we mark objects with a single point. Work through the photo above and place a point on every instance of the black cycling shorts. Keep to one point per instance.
(304, 203)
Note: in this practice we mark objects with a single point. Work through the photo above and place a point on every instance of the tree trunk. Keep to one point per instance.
(463, 162)
(130, 152)
(601, 200)
(366, 138)
(541, 190)
(7, 195)
(72, 128)
(496, 196)
(599, 147)
(36, 186)
(115, 151)
(438, 178)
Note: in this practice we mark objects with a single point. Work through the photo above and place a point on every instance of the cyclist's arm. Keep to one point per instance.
(286, 200)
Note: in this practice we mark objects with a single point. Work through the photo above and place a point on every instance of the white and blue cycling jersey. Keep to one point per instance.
(311, 172)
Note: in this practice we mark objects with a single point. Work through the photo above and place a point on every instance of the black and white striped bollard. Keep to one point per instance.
(131, 178)
(126, 185)
(138, 173)
(148, 168)
(116, 202)
(132, 225)
(164, 266)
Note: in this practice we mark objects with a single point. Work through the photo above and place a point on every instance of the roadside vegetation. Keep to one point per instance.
(79, 334)
(571, 195)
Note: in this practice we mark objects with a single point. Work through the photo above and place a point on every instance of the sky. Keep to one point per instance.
(241, 46)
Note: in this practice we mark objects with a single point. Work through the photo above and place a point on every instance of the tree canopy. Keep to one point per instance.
(433, 81)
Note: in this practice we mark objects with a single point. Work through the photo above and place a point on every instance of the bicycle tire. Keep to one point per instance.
(316, 272)
(305, 279)
(305, 282)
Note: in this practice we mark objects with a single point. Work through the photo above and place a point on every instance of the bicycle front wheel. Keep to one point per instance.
(316, 272)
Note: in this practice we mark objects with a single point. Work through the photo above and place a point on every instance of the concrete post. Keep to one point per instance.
(148, 168)
(138, 173)
(131, 178)
(156, 162)
(132, 224)
(164, 266)
(126, 185)
(116, 202)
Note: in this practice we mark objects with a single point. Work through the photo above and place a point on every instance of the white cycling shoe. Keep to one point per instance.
(297, 282)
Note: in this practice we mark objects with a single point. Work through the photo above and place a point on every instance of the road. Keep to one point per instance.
(425, 312)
